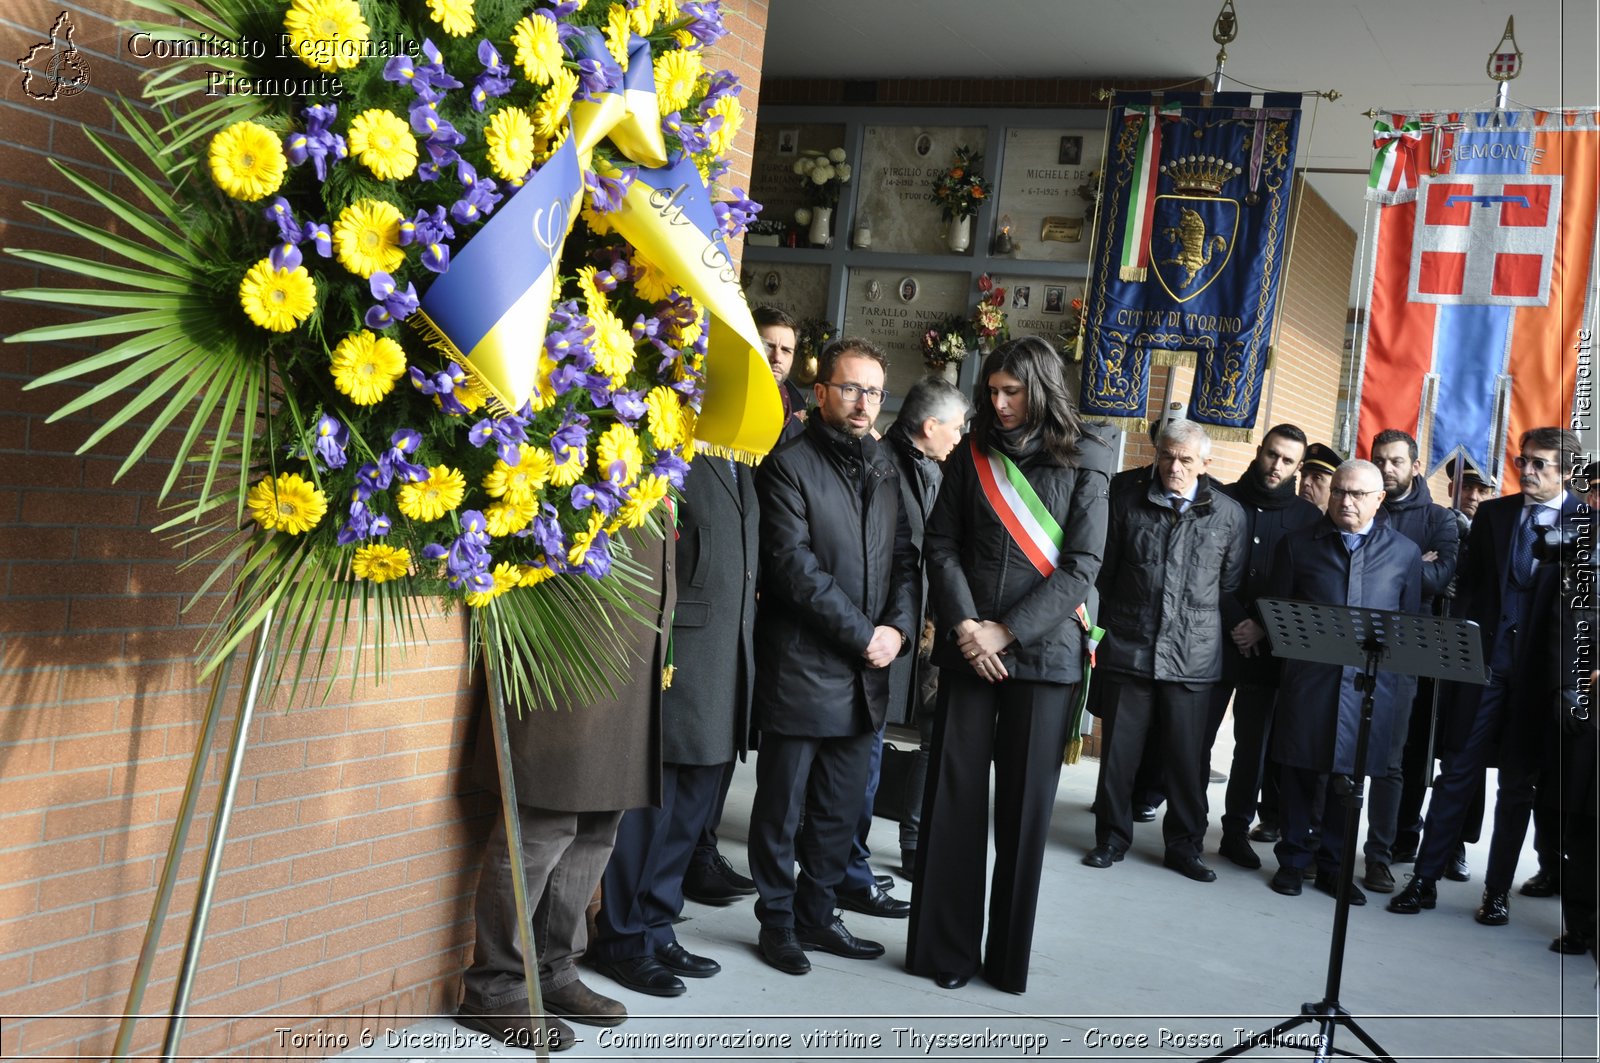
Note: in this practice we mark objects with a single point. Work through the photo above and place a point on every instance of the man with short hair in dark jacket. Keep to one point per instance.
(1410, 510)
(1272, 509)
(1174, 549)
(838, 589)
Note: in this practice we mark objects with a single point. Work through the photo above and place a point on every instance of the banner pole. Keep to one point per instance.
(169, 872)
(519, 871)
(261, 655)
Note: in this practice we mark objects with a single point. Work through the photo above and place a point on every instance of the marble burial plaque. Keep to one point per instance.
(773, 182)
(893, 308)
(1040, 184)
(1040, 306)
(898, 167)
(801, 291)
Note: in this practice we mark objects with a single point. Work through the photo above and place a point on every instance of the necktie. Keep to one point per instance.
(1522, 548)
(1179, 503)
(733, 471)
(1352, 541)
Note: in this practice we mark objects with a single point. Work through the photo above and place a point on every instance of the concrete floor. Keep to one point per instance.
(1133, 962)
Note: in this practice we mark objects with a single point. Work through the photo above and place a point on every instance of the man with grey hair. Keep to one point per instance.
(1346, 558)
(1174, 547)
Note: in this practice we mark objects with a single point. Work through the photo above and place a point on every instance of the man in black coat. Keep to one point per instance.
(705, 719)
(1174, 549)
(1497, 590)
(1351, 558)
(837, 605)
(1410, 510)
(1272, 509)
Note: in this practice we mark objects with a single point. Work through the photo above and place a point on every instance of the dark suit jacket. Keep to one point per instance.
(705, 714)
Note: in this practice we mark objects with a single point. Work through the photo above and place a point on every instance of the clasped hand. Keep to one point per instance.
(884, 647)
(982, 642)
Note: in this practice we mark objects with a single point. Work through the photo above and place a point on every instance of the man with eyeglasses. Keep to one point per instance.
(1351, 558)
(838, 589)
(1411, 511)
(1508, 592)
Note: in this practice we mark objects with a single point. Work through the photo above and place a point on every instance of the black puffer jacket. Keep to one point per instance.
(1433, 528)
(836, 562)
(1163, 581)
(1266, 521)
(977, 571)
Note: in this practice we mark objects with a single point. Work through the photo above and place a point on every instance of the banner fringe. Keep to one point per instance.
(717, 450)
(1074, 751)
(1227, 434)
(1166, 358)
(1133, 273)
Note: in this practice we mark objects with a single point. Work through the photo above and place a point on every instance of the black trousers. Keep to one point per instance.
(1021, 728)
(1313, 821)
(1252, 728)
(642, 888)
(827, 777)
(1460, 777)
(705, 850)
(1385, 795)
(1131, 707)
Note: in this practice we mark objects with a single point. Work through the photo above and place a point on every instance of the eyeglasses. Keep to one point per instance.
(1340, 492)
(853, 392)
(1536, 464)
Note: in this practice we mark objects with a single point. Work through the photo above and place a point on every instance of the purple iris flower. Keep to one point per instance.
(320, 238)
(358, 526)
(670, 466)
(436, 257)
(597, 562)
(479, 201)
(435, 552)
(468, 556)
(318, 143)
(332, 438)
(629, 406)
(705, 23)
(735, 215)
(495, 80)
(691, 135)
(441, 385)
(598, 72)
(279, 214)
(400, 70)
(393, 303)
(605, 193)
(396, 461)
(284, 256)
(599, 386)
(508, 433)
(565, 377)
(723, 83)
(573, 433)
(546, 531)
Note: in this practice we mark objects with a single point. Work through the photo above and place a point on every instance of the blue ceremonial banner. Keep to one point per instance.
(1189, 253)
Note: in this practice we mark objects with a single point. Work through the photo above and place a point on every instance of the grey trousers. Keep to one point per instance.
(564, 854)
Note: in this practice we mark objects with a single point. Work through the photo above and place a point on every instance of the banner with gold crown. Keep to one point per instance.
(1189, 255)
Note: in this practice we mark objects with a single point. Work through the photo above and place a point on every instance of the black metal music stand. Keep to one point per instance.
(1352, 637)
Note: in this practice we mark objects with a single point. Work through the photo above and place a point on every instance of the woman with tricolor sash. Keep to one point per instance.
(1012, 550)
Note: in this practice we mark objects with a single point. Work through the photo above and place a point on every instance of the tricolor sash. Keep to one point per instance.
(1019, 508)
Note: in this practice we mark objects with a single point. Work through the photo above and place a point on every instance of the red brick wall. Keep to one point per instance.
(352, 857)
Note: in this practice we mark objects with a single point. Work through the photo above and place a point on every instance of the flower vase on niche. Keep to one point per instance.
(960, 235)
(821, 226)
(951, 372)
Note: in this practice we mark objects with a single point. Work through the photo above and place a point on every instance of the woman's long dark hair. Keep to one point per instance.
(1050, 411)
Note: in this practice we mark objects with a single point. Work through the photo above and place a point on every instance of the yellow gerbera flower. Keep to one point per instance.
(287, 504)
(380, 563)
(454, 15)
(690, 422)
(617, 30)
(277, 299)
(534, 574)
(666, 10)
(472, 394)
(510, 140)
(366, 366)
(326, 34)
(506, 575)
(545, 147)
(649, 282)
(432, 498)
(581, 541)
(592, 295)
(641, 19)
(508, 518)
(620, 445)
(538, 48)
(664, 416)
(732, 118)
(367, 237)
(676, 74)
(384, 144)
(613, 345)
(553, 106)
(647, 494)
(599, 224)
(569, 466)
(247, 161)
(520, 482)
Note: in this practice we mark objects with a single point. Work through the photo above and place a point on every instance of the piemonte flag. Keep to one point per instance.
(1479, 309)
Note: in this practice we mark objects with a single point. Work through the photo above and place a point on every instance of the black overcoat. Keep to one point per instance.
(919, 486)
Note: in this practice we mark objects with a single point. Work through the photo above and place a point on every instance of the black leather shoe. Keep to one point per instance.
(512, 1025)
(1287, 881)
(1495, 909)
(644, 974)
(873, 902)
(1265, 832)
(1101, 856)
(951, 981)
(1144, 813)
(1327, 882)
(681, 961)
(1190, 866)
(884, 882)
(836, 939)
(1544, 884)
(579, 1003)
(1236, 847)
(1419, 894)
(781, 949)
(716, 883)
(1569, 944)
(1405, 848)
(908, 862)
(1457, 870)
(1378, 878)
